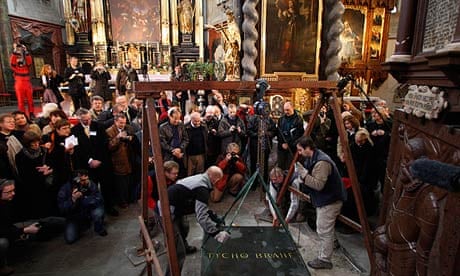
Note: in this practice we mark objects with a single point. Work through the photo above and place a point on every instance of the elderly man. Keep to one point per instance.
(129, 111)
(197, 147)
(231, 129)
(320, 178)
(290, 128)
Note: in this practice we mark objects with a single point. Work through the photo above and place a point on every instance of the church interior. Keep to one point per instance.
(396, 56)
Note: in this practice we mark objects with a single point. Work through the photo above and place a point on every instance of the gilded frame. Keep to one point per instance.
(276, 59)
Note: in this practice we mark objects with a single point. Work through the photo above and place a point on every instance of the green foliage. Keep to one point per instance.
(200, 70)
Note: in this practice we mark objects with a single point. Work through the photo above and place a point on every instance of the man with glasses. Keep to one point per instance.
(8, 231)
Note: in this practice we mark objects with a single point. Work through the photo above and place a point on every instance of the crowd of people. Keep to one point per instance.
(81, 172)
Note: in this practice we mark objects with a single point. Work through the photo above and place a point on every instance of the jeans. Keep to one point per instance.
(74, 226)
(4, 244)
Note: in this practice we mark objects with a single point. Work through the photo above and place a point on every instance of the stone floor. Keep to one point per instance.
(94, 255)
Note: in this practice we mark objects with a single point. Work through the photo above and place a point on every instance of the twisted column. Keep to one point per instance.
(333, 27)
(251, 17)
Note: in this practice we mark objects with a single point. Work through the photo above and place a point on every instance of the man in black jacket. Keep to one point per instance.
(8, 231)
(91, 154)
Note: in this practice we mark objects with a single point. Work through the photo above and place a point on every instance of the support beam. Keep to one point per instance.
(151, 127)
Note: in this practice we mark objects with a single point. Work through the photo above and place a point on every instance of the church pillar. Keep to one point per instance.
(6, 47)
(165, 22)
(405, 37)
(174, 23)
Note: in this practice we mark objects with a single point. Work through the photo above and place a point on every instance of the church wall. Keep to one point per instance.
(49, 11)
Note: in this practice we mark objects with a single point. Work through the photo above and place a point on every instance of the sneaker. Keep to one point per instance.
(6, 270)
(190, 249)
(320, 264)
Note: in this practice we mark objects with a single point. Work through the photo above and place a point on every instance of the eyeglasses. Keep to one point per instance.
(9, 192)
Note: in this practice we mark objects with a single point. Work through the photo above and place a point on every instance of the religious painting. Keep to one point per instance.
(135, 21)
(377, 33)
(290, 36)
(353, 34)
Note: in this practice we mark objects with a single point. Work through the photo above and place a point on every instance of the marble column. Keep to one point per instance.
(6, 48)
(405, 36)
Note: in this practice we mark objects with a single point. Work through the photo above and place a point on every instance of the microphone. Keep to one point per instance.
(344, 81)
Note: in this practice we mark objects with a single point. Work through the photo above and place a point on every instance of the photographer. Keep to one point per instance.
(8, 231)
(231, 129)
(81, 203)
(212, 122)
(75, 78)
(20, 62)
(234, 169)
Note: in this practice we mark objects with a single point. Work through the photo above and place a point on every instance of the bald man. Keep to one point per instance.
(197, 146)
(191, 195)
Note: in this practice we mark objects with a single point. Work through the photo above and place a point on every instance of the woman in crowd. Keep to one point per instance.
(23, 123)
(380, 131)
(54, 116)
(34, 177)
(100, 77)
(51, 80)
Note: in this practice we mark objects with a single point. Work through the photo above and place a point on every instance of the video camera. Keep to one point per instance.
(260, 107)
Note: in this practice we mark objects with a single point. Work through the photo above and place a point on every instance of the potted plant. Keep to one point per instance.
(200, 70)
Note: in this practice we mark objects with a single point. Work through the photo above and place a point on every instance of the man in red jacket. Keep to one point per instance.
(20, 62)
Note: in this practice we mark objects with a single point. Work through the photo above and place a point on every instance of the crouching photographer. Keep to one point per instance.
(81, 203)
(234, 170)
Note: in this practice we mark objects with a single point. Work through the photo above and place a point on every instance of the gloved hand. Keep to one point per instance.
(300, 169)
(222, 236)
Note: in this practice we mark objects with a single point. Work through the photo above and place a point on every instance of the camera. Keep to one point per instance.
(83, 189)
(234, 157)
(321, 113)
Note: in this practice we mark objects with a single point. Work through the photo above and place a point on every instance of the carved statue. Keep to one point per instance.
(233, 47)
(404, 243)
(79, 19)
(186, 13)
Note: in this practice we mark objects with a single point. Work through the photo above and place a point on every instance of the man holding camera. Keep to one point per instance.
(8, 231)
(121, 140)
(234, 169)
(20, 62)
(81, 202)
(231, 129)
